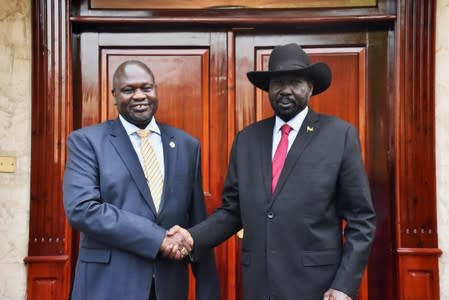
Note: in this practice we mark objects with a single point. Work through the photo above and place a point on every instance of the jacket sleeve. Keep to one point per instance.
(226, 220)
(355, 207)
(89, 213)
(204, 269)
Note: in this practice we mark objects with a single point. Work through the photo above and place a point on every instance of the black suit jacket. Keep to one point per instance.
(293, 245)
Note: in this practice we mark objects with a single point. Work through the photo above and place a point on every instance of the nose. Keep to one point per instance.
(285, 90)
(139, 94)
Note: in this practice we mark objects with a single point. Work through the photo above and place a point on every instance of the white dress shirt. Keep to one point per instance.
(154, 139)
(295, 123)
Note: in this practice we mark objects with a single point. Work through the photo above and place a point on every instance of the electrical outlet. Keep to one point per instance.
(7, 164)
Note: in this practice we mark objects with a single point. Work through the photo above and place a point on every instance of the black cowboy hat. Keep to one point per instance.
(291, 59)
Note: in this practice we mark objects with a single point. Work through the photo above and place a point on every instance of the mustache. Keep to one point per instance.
(285, 98)
(141, 102)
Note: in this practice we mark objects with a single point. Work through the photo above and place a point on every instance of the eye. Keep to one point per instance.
(147, 88)
(127, 90)
(301, 81)
(275, 84)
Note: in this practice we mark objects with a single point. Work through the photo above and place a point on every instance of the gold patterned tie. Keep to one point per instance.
(151, 168)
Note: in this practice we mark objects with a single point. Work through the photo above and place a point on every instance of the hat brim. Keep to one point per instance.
(319, 73)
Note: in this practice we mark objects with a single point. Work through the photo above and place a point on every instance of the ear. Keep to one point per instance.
(310, 84)
(115, 96)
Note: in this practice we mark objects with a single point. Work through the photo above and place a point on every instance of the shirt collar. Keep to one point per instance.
(295, 123)
(131, 128)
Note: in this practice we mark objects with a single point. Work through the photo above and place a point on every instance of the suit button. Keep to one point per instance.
(270, 215)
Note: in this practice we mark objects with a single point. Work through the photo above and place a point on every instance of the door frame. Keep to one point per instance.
(411, 145)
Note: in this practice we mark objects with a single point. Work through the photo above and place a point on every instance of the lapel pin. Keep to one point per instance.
(309, 129)
(172, 144)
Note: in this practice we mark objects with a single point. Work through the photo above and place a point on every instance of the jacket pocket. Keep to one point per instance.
(93, 255)
(321, 258)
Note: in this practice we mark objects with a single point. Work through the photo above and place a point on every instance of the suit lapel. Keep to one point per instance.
(308, 130)
(122, 144)
(170, 156)
(266, 144)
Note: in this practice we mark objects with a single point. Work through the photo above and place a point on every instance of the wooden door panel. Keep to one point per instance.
(189, 69)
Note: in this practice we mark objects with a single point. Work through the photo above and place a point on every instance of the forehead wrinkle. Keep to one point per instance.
(123, 70)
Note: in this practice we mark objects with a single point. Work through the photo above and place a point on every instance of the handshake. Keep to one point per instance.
(177, 243)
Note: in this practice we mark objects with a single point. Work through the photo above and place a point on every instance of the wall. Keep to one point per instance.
(442, 141)
(15, 140)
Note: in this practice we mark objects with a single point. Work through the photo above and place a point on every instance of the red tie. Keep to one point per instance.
(279, 156)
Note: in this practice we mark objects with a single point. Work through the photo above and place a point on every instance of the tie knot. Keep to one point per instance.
(285, 129)
(143, 133)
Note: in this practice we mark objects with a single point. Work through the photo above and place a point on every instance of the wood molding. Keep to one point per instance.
(132, 10)
(415, 143)
(416, 221)
(419, 251)
(232, 20)
(418, 273)
(226, 4)
(48, 277)
(49, 236)
(50, 124)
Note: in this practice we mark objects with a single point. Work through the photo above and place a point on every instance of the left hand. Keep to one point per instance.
(333, 294)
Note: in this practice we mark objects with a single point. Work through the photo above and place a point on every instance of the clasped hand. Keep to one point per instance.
(177, 243)
(333, 294)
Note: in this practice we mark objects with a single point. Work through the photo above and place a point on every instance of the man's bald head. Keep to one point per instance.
(122, 69)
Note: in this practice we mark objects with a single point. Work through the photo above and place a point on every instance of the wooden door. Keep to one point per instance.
(357, 95)
(203, 89)
(190, 69)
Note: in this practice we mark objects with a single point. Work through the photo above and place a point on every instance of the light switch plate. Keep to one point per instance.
(7, 164)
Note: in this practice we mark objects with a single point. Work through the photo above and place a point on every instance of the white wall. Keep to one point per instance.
(442, 140)
(15, 140)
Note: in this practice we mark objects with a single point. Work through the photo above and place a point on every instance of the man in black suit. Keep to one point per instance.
(291, 181)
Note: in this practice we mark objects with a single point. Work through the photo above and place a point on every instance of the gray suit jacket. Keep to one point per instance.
(293, 245)
(106, 198)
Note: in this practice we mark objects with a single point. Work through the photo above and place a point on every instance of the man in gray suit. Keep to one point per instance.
(292, 180)
(123, 200)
